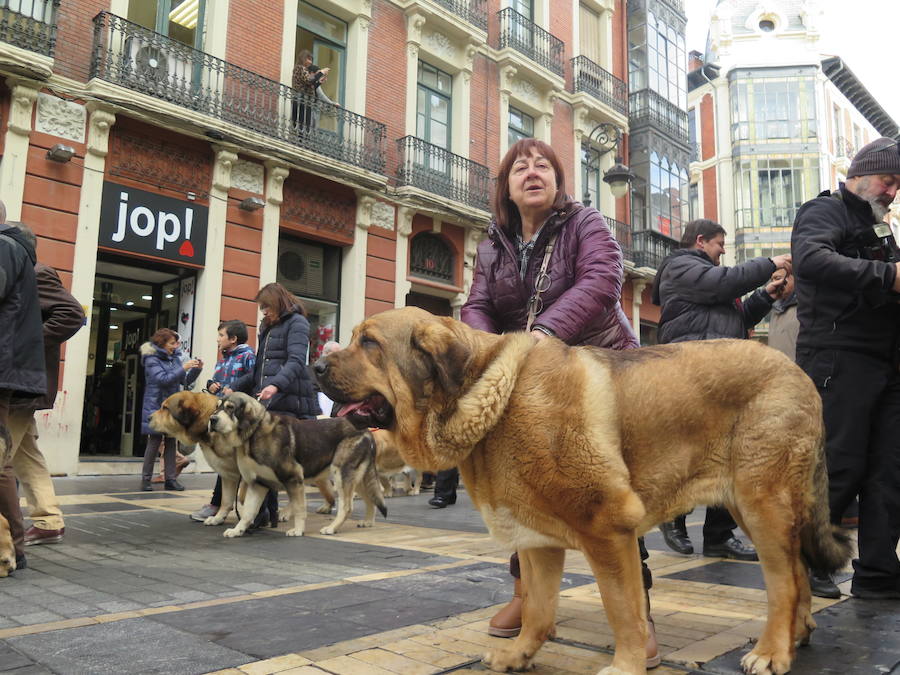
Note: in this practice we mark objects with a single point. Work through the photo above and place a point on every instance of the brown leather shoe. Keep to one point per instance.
(653, 657)
(35, 535)
(507, 622)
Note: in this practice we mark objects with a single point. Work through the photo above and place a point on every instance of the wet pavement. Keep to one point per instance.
(137, 587)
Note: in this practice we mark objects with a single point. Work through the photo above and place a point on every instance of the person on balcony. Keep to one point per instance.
(307, 82)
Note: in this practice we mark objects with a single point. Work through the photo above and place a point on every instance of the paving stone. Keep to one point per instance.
(135, 646)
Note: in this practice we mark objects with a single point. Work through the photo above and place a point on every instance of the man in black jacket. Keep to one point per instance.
(848, 289)
(22, 373)
(700, 300)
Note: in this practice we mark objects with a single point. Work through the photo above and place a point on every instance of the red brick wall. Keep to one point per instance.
(710, 194)
(248, 22)
(50, 202)
(381, 264)
(562, 139)
(484, 124)
(240, 277)
(649, 311)
(386, 85)
(619, 41)
(707, 127)
(561, 27)
(74, 37)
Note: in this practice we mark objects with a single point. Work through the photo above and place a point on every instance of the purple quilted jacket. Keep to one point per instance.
(581, 306)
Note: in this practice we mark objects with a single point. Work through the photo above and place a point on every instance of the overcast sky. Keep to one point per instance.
(874, 60)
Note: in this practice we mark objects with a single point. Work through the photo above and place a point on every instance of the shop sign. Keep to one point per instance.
(152, 225)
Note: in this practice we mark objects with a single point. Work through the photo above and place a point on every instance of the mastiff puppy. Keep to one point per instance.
(583, 448)
(275, 451)
(185, 416)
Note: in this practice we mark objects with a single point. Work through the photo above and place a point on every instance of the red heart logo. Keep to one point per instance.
(187, 249)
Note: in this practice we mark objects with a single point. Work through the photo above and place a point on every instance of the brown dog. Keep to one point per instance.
(390, 463)
(7, 549)
(577, 447)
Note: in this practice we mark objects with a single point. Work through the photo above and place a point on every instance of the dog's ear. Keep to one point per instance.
(247, 412)
(184, 415)
(448, 353)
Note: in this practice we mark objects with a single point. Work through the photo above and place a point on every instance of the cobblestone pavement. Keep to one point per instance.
(137, 587)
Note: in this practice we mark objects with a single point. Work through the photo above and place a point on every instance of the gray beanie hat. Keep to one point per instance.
(881, 156)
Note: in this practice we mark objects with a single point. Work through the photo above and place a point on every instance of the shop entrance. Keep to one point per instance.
(130, 304)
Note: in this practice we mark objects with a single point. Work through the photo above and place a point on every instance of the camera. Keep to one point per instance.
(878, 243)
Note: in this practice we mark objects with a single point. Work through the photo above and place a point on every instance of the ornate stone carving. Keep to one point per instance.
(526, 92)
(99, 124)
(61, 118)
(225, 160)
(316, 209)
(383, 215)
(404, 221)
(440, 45)
(247, 176)
(364, 205)
(414, 23)
(275, 177)
(23, 98)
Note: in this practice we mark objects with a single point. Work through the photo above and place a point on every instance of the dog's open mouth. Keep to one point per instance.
(373, 411)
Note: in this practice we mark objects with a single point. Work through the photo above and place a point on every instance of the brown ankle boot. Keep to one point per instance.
(508, 621)
(653, 658)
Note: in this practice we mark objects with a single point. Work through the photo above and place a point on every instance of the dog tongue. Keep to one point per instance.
(349, 408)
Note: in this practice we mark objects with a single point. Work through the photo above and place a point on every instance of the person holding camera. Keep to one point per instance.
(846, 265)
(306, 81)
(164, 374)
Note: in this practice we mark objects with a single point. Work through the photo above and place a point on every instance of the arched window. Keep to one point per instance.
(431, 257)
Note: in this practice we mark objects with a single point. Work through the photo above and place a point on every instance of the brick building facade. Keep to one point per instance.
(169, 169)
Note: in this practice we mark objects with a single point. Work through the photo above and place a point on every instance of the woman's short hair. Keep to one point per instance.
(163, 336)
(303, 55)
(702, 227)
(505, 212)
(277, 298)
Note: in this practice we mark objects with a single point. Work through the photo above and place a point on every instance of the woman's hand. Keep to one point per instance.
(213, 387)
(539, 334)
(228, 391)
(268, 392)
(193, 363)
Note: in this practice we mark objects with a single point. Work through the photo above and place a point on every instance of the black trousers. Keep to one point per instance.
(445, 483)
(718, 526)
(861, 406)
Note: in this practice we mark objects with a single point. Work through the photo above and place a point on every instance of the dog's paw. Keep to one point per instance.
(414, 492)
(366, 523)
(612, 670)
(283, 517)
(214, 520)
(233, 532)
(502, 660)
(325, 508)
(758, 663)
(294, 532)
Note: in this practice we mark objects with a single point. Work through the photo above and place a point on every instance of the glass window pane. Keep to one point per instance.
(321, 23)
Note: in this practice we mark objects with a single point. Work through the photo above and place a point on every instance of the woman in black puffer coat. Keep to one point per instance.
(280, 378)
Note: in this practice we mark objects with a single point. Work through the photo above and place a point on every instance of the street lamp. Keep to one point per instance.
(619, 176)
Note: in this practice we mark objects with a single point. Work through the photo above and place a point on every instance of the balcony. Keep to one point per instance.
(590, 78)
(622, 233)
(648, 106)
(438, 171)
(528, 38)
(473, 11)
(31, 26)
(141, 60)
(844, 147)
(650, 247)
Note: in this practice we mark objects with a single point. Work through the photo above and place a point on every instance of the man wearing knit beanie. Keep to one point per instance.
(846, 266)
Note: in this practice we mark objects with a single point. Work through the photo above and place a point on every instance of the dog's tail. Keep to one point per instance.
(826, 547)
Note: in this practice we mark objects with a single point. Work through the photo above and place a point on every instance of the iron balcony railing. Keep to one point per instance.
(588, 77)
(844, 147)
(142, 60)
(648, 106)
(436, 170)
(650, 247)
(527, 37)
(473, 11)
(29, 24)
(622, 232)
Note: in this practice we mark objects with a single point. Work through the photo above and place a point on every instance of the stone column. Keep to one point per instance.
(353, 270)
(276, 174)
(60, 429)
(637, 289)
(404, 228)
(15, 148)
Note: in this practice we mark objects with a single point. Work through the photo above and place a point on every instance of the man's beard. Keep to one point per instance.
(879, 209)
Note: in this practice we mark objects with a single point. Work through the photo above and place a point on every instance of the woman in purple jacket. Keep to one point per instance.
(549, 265)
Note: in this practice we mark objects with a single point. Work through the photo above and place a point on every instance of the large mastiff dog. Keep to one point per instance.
(275, 451)
(583, 448)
